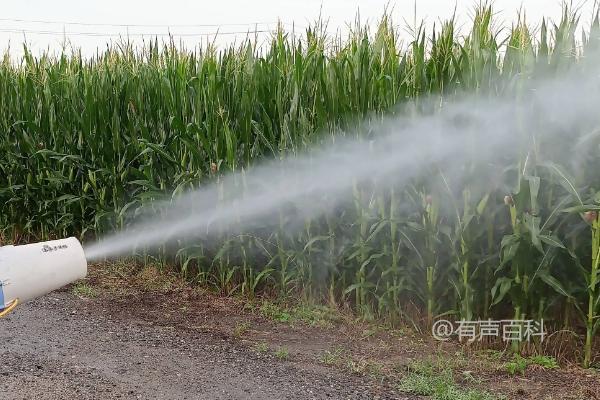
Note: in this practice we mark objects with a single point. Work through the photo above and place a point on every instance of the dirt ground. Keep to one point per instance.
(141, 336)
(61, 347)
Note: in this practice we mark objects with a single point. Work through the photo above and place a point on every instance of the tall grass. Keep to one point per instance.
(88, 142)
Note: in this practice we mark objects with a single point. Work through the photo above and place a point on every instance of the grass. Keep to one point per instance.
(241, 329)
(544, 361)
(357, 366)
(83, 289)
(331, 357)
(89, 144)
(490, 354)
(314, 315)
(274, 312)
(519, 364)
(261, 347)
(441, 387)
(430, 378)
(282, 353)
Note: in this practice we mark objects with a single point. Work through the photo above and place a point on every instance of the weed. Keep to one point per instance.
(274, 312)
(375, 370)
(282, 353)
(491, 354)
(519, 364)
(544, 361)
(261, 347)
(358, 367)
(313, 315)
(331, 357)
(367, 333)
(82, 289)
(240, 329)
(440, 386)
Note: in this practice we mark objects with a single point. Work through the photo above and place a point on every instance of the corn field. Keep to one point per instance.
(89, 142)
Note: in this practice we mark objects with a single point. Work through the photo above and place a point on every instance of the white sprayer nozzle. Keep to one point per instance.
(33, 270)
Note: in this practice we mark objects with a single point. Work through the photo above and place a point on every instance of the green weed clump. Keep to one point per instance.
(441, 388)
(519, 364)
(429, 379)
(282, 353)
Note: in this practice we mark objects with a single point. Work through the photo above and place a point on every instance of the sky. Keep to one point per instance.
(91, 24)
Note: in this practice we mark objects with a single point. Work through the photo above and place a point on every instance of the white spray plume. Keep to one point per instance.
(462, 129)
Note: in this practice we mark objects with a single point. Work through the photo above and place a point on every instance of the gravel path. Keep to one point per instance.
(62, 347)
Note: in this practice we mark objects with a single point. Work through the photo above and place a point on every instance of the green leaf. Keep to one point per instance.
(482, 204)
(377, 228)
(500, 289)
(552, 241)
(553, 283)
(533, 225)
(565, 180)
(582, 208)
(509, 246)
(315, 240)
(534, 188)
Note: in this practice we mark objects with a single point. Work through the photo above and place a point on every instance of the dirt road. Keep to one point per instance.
(64, 347)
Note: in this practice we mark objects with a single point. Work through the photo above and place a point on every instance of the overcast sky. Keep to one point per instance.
(43, 22)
